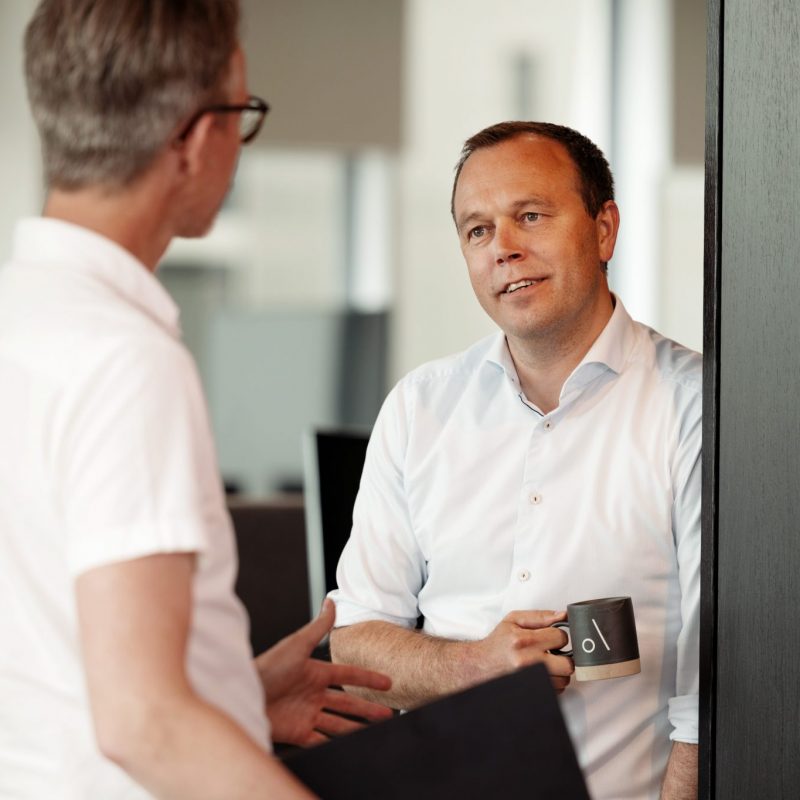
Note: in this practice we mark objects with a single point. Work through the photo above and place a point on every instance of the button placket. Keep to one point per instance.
(527, 532)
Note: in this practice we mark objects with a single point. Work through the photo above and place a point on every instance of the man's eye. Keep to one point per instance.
(477, 232)
(531, 216)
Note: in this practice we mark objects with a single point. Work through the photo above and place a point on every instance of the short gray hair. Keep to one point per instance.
(110, 80)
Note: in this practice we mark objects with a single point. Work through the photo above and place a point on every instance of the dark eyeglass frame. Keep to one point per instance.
(253, 104)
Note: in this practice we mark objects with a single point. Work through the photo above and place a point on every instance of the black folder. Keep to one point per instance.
(502, 739)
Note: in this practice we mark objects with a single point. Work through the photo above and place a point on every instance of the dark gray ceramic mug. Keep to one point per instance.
(603, 638)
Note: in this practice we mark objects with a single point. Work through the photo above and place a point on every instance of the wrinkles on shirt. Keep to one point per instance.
(489, 508)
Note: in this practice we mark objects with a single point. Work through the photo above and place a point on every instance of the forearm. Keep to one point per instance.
(680, 780)
(185, 748)
(422, 667)
(134, 620)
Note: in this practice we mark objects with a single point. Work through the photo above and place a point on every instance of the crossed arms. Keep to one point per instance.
(425, 667)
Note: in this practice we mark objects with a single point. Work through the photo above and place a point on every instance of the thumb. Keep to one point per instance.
(319, 627)
(327, 613)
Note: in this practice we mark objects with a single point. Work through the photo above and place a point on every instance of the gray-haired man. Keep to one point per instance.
(125, 668)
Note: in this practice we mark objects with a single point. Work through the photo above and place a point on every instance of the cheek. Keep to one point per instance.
(478, 270)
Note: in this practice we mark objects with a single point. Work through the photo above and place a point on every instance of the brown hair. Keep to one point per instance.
(597, 183)
(110, 80)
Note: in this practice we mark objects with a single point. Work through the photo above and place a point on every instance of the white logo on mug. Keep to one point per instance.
(586, 642)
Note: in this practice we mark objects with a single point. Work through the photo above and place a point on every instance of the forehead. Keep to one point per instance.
(526, 164)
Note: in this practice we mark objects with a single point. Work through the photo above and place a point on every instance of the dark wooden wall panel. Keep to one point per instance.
(757, 745)
(711, 343)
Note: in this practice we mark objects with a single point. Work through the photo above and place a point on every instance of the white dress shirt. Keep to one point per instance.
(106, 455)
(473, 504)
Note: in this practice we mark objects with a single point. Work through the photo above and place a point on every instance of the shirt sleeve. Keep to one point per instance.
(130, 451)
(382, 568)
(683, 708)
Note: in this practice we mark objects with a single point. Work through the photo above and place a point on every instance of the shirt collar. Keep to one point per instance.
(53, 241)
(610, 350)
(615, 342)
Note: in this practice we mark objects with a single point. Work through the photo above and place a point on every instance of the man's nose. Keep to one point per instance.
(507, 244)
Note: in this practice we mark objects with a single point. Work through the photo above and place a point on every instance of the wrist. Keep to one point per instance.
(468, 661)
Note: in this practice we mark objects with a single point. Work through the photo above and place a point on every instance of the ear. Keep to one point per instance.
(607, 222)
(193, 150)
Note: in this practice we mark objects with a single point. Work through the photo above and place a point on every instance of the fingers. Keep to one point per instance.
(559, 684)
(331, 724)
(535, 619)
(559, 666)
(512, 647)
(346, 703)
(314, 738)
(348, 675)
(544, 639)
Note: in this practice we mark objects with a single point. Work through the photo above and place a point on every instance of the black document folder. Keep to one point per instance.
(503, 739)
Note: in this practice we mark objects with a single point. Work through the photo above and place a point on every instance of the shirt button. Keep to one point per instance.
(534, 499)
(523, 575)
(548, 425)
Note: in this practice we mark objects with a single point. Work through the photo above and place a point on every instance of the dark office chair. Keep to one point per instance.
(273, 578)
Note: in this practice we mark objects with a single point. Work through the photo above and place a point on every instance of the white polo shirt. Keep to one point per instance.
(106, 454)
(473, 504)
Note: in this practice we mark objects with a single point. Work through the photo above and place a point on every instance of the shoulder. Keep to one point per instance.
(140, 361)
(675, 365)
(672, 380)
(438, 387)
(451, 370)
(135, 378)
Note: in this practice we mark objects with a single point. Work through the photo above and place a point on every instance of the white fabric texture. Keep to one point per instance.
(107, 455)
(473, 504)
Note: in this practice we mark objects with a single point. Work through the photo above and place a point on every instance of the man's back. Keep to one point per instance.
(96, 389)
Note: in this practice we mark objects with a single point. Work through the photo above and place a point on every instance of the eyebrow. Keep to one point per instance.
(532, 200)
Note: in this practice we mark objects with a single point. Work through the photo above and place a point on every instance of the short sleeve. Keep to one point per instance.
(131, 455)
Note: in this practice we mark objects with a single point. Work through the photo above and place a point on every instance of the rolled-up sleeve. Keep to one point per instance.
(382, 568)
(683, 708)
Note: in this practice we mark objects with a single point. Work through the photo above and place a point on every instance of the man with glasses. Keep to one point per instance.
(125, 668)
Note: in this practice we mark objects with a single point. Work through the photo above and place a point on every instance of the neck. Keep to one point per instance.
(136, 217)
(544, 364)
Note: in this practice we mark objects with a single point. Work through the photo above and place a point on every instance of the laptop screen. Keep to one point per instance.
(332, 464)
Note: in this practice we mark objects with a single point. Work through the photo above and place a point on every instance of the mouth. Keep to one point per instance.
(523, 284)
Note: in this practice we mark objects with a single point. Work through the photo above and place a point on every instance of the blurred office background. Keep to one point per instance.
(334, 267)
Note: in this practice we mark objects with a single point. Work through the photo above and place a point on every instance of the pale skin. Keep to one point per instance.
(135, 616)
(521, 222)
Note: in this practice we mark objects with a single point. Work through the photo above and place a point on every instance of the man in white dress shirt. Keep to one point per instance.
(125, 667)
(554, 462)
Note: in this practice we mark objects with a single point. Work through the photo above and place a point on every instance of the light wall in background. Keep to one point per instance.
(466, 69)
(345, 201)
(331, 70)
(20, 174)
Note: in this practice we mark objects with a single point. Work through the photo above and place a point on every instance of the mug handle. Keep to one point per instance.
(560, 652)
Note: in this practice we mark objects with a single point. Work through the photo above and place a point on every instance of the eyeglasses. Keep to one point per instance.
(251, 117)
